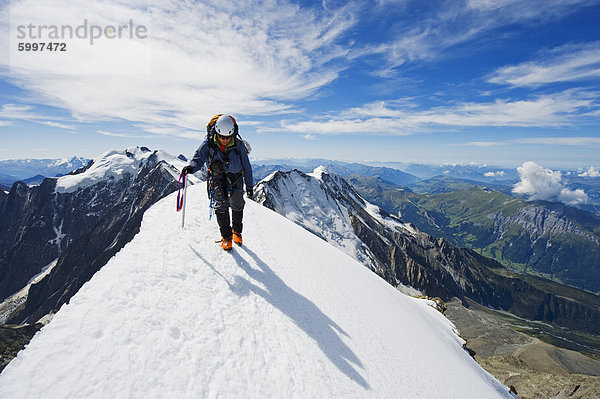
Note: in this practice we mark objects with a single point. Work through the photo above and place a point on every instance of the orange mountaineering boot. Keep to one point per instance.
(237, 237)
(226, 243)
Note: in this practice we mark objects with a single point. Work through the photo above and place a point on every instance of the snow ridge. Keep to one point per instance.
(286, 315)
(324, 204)
(113, 165)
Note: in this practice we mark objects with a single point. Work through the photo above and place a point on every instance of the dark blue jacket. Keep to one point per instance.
(234, 159)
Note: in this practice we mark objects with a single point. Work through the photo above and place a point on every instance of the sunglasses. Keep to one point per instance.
(223, 137)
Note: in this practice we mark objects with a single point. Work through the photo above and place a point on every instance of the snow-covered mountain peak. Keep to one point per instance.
(326, 205)
(69, 163)
(319, 171)
(21, 169)
(286, 315)
(114, 165)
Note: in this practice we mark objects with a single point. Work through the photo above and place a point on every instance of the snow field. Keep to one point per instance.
(286, 315)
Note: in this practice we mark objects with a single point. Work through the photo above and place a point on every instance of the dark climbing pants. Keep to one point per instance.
(228, 192)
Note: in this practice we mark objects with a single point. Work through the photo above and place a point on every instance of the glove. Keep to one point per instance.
(187, 169)
(249, 192)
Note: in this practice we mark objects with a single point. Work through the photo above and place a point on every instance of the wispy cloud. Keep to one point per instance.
(560, 141)
(243, 57)
(451, 23)
(567, 63)
(519, 11)
(498, 173)
(480, 144)
(9, 113)
(123, 135)
(60, 126)
(252, 58)
(570, 141)
(111, 134)
(399, 118)
(17, 111)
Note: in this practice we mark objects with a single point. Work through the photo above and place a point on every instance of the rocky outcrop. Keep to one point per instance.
(13, 339)
(28, 239)
(546, 238)
(534, 368)
(538, 221)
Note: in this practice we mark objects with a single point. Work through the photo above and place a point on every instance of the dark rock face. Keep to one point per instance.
(83, 229)
(439, 269)
(26, 234)
(13, 339)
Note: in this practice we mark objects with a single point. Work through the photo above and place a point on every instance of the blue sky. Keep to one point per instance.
(499, 82)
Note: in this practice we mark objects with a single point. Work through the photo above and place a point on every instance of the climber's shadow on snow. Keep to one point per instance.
(305, 314)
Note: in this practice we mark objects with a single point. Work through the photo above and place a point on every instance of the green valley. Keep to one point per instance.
(542, 238)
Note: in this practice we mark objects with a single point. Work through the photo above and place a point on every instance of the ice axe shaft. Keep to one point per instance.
(181, 198)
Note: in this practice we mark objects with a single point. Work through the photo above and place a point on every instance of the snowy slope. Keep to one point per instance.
(287, 315)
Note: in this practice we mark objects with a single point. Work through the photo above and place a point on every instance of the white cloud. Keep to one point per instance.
(449, 24)
(111, 134)
(16, 111)
(12, 112)
(545, 184)
(259, 57)
(311, 137)
(60, 126)
(564, 64)
(248, 57)
(402, 118)
(517, 10)
(480, 144)
(123, 135)
(494, 174)
(591, 172)
(573, 197)
(571, 141)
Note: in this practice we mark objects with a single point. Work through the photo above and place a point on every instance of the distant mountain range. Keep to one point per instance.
(344, 169)
(435, 178)
(486, 173)
(33, 170)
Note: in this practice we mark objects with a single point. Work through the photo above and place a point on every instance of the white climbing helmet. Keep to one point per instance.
(225, 125)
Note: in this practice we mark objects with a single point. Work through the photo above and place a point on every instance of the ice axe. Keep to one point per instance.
(181, 197)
